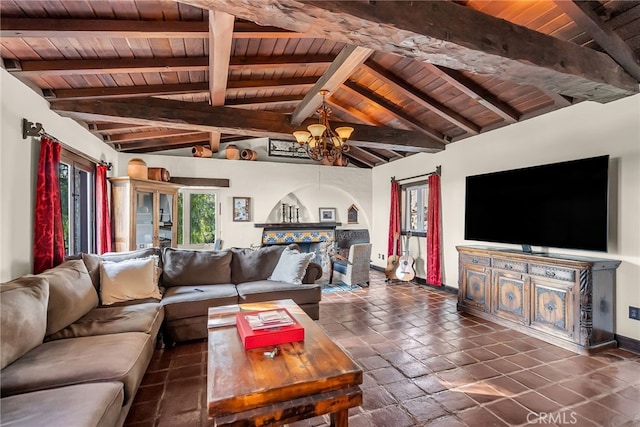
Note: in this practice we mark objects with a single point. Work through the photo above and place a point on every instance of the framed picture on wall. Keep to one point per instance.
(327, 214)
(242, 209)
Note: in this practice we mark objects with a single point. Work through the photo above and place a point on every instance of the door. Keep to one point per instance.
(552, 307)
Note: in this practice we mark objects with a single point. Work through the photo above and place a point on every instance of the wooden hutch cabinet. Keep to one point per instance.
(566, 300)
(144, 213)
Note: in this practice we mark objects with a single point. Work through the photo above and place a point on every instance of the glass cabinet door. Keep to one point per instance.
(144, 219)
(165, 221)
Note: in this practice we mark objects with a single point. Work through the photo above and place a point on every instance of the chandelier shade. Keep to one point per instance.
(321, 143)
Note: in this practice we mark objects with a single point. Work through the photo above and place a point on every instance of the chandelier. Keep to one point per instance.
(321, 143)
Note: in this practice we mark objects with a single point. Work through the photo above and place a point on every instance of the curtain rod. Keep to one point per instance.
(438, 172)
(36, 130)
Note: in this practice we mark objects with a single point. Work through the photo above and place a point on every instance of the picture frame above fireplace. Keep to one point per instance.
(327, 214)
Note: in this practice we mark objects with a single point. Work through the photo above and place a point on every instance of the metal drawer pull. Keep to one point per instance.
(508, 266)
(474, 261)
(550, 273)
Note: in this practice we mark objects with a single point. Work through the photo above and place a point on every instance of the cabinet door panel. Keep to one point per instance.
(552, 307)
(144, 221)
(510, 296)
(476, 288)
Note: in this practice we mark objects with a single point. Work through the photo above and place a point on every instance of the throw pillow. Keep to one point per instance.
(129, 280)
(183, 267)
(71, 294)
(23, 316)
(291, 266)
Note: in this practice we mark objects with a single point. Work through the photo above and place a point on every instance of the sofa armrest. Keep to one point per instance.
(313, 273)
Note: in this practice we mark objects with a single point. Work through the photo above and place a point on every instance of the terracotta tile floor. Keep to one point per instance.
(426, 364)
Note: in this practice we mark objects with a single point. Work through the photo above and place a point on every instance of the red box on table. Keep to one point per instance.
(253, 338)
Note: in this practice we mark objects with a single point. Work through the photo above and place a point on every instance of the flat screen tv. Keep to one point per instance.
(560, 205)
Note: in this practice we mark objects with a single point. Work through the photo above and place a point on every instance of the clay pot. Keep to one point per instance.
(341, 161)
(247, 154)
(201, 151)
(159, 174)
(137, 168)
(232, 152)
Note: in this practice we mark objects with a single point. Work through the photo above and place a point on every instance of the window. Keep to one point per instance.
(414, 207)
(77, 199)
(197, 217)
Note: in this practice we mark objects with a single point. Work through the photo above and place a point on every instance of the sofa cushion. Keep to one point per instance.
(291, 267)
(249, 265)
(193, 268)
(71, 294)
(23, 316)
(145, 318)
(85, 405)
(116, 357)
(267, 290)
(93, 261)
(128, 280)
(188, 301)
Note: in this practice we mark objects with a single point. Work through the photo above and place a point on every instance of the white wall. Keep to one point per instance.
(584, 130)
(19, 165)
(268, 184)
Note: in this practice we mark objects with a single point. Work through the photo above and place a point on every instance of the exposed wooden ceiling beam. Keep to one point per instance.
(264, 100)
(358, 162)
(141, 136)
(113, 127)
(440, 33)
(173, 89)
(188, 115)
(476, 92)
(165, 143)
(367, 152)
(220, 39)
(392, 109)
(421, 98)
(299, 82)
(94, 28)
(347, 61)
(128, 91)
(68, 67)
(602, 33)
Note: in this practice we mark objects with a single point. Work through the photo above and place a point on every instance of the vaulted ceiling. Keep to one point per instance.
(148, 76)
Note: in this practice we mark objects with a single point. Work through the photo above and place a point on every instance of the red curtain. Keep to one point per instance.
(434, 233)
(103, 220)
(394, 220)
(48, 244)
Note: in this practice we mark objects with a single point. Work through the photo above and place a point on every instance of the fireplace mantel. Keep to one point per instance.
(298, 225)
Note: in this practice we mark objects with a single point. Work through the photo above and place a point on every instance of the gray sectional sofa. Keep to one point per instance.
(67, 358)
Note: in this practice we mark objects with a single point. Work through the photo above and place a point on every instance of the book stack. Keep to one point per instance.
(268, 327)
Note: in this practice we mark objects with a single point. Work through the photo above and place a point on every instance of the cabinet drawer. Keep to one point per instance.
(552, 272)
(475, 260)
(520, 267)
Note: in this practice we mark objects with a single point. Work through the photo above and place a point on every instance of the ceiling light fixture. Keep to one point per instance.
(321, 142)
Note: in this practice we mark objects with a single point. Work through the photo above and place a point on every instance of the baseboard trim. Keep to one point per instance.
(422, 281)
(627, 343)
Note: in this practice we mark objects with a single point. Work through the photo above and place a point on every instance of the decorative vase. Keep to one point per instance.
(137, 168)
(232, 152)
(201, 151)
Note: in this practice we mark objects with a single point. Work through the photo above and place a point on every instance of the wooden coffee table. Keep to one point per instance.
(305, 379)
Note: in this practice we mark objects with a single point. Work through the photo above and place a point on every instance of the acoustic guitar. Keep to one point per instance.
(392, 261)
(405, 271)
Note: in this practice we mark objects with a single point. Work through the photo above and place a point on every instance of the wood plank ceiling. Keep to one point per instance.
(148, 76)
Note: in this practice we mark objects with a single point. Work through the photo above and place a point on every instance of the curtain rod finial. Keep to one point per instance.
(439, 170)
(29, 129)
